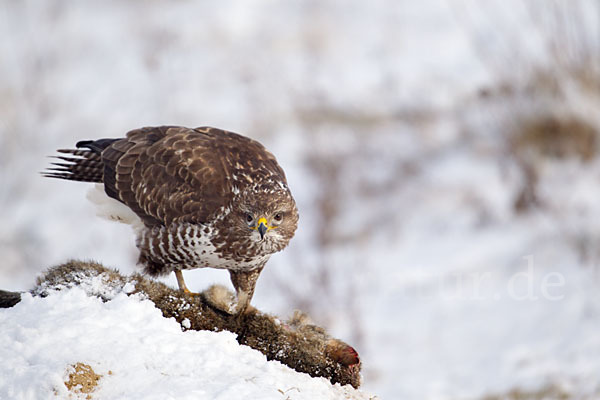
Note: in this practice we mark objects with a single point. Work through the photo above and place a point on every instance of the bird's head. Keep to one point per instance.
(268, 217)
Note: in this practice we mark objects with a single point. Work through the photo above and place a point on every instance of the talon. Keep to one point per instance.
(189, 292)
(182, 285)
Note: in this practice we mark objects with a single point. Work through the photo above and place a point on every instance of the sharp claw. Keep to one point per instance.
(189, 292)
(182, 285)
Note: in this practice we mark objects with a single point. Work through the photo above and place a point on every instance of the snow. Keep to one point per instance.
(139, 354)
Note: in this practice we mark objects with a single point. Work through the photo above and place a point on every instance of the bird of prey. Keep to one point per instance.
(196, 198)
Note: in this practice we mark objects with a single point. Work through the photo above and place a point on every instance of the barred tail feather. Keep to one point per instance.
(80, 165)
(84, 165)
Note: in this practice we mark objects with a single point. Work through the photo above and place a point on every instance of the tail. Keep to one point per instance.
(9, 299)
(84, 164)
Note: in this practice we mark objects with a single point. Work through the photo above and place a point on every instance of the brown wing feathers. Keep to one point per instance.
(134, 172)
(161, 180)
(180, 178)
(125, 162)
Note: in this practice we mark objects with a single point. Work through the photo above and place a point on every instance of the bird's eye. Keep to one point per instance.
(278, 217)
(249, 218)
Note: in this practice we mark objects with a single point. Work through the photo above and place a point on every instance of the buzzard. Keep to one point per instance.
(196, 198)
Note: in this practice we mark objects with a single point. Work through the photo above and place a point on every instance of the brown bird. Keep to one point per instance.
(196, 198)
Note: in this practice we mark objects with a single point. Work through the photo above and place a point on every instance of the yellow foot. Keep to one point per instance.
(189, 292)
(182, 285)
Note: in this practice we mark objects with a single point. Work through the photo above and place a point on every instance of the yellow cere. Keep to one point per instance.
(263, 221)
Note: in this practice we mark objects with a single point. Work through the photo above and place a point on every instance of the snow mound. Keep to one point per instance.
(137, 353)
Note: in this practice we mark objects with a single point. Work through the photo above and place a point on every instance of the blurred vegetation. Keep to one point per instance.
(541, 110)
(544, 105)
(550, 392)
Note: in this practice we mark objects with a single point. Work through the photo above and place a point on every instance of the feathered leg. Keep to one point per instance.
(244, 283)
(222, 299)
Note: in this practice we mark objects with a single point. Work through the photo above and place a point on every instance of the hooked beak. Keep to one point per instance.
(262, 229)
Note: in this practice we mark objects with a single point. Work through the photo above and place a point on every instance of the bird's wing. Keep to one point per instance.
(162, 174)
(168, 174)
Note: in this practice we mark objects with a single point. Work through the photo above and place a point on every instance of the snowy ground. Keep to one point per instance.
(409, 246)
(138, 353)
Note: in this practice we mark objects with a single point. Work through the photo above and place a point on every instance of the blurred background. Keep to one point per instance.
(444, 156)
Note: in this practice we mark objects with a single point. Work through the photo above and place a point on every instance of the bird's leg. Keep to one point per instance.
(181, 283)
(244, 283)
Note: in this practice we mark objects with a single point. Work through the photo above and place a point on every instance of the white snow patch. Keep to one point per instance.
(148, 356)
(129, 287)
